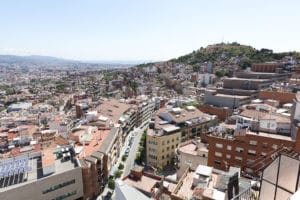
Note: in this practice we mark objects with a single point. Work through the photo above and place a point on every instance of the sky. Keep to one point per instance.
(143, 30)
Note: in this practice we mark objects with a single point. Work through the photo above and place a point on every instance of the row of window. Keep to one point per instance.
(228, 156)
(56, 187)
(152, 150)
(168, 141)
(153, 157)
(240, 149)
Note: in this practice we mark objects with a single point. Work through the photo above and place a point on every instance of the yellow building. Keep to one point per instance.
(161, 145)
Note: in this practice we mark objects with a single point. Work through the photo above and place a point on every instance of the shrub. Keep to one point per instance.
(121, 166)
(141, 148)
(118, 174)
(124, 157)
(111, 184)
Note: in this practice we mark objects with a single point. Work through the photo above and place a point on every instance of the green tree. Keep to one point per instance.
(111, 184)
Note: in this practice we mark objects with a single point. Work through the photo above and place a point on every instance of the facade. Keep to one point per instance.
(144, 111)
(269, 67)
(161, 145)
(96, 167)
(248, 150)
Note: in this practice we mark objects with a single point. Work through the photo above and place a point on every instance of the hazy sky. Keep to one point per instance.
(143, 29)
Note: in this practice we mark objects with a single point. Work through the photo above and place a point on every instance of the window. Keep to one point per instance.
(252, 152)
(239, 159)
(163, 142)
(220, 146)
(168, 156)
(168, 148)
(218, 154)
(253, 142)
(250, 162)
(228, 147)
(168, 142)
(56, 187)
(163, 157)
(263, 154)
(265, 145)
(152, 157)
(228, 156)
(239, 149)
(217, 163)
(172, 146)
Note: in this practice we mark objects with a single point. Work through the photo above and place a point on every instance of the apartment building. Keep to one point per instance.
(52, 173)
(190, 120)
(250, 151)
(98, 161)
(161, 145)
(145, 110)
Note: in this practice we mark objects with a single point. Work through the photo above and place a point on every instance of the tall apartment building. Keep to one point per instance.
(172, 126)
(97, 164)
(145, 110)
(190, 120)
(161, 145)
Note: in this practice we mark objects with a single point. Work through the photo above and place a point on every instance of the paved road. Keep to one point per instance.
(133, 150)
(129, 163)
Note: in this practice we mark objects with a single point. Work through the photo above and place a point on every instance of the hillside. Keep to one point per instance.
(230, 53)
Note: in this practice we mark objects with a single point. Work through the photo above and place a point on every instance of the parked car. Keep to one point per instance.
(127, 150)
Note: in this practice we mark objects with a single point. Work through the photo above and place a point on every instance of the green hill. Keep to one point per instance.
(230, 53)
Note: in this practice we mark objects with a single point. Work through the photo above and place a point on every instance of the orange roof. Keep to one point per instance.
(48, 157)
(95, 144)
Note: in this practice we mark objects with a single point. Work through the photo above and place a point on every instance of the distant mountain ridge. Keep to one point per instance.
(37, 59)
(13, 59)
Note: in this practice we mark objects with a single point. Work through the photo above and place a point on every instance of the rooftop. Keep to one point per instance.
(99, 137)
(183, 115)
(39, 164)
(112, 109)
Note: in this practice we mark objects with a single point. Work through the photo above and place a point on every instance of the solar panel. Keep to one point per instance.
(13, 166)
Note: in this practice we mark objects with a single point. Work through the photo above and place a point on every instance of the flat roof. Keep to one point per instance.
(270, 135)
(170, 128)
(146, 183)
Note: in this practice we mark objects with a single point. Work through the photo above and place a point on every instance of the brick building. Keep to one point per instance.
(250, 151)
(282, 97)
(269, 67)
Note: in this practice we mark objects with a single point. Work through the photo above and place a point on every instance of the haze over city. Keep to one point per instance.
(143, 30)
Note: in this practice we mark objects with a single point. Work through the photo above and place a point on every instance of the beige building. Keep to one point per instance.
(190, 120)
(51, 174)
(161, 145)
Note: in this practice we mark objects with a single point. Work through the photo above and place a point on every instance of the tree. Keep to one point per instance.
(118, 174)
(111, 184)
(121, 166)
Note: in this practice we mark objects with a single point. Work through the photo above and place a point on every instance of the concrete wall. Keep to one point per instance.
(33, 190)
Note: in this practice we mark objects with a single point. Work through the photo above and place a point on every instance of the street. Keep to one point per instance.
(129, 163)
(133, 150)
